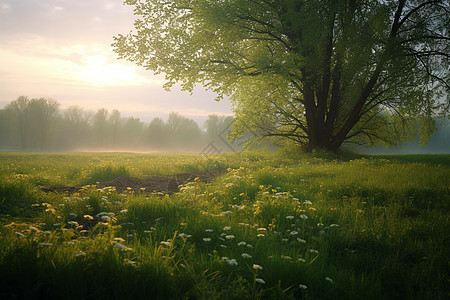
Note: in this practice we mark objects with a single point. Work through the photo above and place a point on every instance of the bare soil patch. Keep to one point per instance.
(151, 184)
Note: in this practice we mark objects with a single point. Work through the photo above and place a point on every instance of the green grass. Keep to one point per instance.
(345, 226)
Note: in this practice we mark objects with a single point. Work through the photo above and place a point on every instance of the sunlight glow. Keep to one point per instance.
(98, 72)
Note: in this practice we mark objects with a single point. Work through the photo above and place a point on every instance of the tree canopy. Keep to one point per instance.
(318, 73)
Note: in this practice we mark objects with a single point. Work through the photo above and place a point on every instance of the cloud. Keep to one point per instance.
(74, 20)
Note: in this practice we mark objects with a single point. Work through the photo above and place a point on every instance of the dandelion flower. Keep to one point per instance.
(302, 286)
(88, 217)
(260, 280)
(262, 229)
(207, 239)
(246, 255)
(307, 202)
(124, 211)
(257, 267)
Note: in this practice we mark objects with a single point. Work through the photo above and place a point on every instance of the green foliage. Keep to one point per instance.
(343, 226)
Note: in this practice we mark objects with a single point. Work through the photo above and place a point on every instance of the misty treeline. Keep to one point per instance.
(39, 124)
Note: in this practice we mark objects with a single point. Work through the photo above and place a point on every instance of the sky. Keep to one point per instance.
(61, 49)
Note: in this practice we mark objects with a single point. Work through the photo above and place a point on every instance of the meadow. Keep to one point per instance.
(273, 226)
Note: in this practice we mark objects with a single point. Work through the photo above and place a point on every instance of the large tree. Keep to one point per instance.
(316, 72)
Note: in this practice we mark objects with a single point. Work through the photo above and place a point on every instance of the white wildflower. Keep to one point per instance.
(302, 286)
(257, 267)
(32, 228)
(304, 217)
(246, 255)
(260, 280)
(122, 247)
(19, 234)
(329, 279)
(207, 239)
(289, 217)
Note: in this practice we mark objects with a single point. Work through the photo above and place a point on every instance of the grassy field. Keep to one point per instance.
(275, 226)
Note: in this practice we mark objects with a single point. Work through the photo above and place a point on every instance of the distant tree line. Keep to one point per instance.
(38, 124)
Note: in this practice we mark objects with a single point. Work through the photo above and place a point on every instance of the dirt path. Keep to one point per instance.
(165, 184)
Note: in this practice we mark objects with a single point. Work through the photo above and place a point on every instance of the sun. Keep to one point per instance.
(98, 71)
